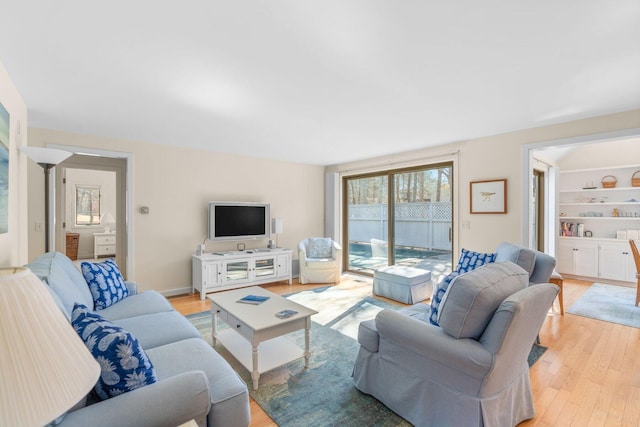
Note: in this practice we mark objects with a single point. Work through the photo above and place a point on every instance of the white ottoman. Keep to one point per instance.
(403, 284)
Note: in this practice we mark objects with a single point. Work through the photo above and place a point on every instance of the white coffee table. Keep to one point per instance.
(255, 334)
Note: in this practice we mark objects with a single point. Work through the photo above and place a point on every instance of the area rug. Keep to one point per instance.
(609, 303)
(294, 396)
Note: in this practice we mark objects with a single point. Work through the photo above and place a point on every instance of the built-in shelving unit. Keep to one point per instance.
(595, 222)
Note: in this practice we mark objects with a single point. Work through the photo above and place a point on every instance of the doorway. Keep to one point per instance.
(90, 207)
(547, 156)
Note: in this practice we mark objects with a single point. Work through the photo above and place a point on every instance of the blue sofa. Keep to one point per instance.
(194, 381)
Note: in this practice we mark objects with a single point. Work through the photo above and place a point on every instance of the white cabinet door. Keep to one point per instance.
(264, 267)
(612, 261)
(210, 274)
(585, 261)
(236, 271)
(283, 265)
(578, 258)
(564, 257)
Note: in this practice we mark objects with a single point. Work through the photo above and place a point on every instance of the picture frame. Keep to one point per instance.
(488, 197)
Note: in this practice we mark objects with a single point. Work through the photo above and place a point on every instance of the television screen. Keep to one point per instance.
(238, 221)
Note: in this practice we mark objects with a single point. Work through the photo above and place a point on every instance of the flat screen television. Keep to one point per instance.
(239, 221)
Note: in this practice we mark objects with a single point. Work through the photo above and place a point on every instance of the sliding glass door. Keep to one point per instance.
(398, 217)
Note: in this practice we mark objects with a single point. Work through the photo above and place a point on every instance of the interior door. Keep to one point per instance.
(538, 209)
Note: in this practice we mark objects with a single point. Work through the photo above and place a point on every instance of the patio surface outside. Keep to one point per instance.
(438, 262)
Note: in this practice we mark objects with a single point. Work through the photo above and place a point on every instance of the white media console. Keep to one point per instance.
(219, 271)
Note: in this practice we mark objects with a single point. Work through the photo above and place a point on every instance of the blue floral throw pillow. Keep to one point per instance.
(123, 363)
(105, 283)
(469, 260)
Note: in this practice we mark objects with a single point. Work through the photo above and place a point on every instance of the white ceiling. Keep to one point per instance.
(318, 82)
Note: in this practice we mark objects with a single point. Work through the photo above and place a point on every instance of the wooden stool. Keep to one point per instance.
(556, 279)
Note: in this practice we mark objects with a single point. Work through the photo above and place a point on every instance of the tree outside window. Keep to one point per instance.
(87, 205)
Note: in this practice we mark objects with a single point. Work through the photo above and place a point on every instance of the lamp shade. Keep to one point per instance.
(108, 221)
(277, 226)
(45, 368)
(47, 156)
(107, 218)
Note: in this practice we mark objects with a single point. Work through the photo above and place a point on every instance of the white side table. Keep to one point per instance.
(104, 244)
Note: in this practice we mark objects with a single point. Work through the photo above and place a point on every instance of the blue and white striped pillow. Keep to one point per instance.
(469, 260)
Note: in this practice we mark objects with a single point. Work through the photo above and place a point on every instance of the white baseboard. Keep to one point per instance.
(177, 291)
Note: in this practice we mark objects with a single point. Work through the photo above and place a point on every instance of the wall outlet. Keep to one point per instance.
(466, 225)
(37, 226)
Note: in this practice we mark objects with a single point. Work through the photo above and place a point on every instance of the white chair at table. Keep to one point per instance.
(320, 260)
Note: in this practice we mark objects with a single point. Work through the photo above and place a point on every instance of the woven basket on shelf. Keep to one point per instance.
(635, 182)
(609, 181)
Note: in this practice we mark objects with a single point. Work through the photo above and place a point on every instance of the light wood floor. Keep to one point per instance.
(589, 376)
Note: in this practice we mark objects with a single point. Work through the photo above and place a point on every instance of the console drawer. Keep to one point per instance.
(105, 250)
(239, 326)
(105, 240)
(222, 314)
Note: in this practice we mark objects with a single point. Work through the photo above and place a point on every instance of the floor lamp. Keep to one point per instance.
(47, 158)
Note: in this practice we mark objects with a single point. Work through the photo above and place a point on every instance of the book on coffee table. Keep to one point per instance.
(285, 314)
(253, 299)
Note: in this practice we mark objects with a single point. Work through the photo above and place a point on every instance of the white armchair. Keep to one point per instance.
(320, 260)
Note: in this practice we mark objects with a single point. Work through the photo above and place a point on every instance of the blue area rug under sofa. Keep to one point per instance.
(323, 394)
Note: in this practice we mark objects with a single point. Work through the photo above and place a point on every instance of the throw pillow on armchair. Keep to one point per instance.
(469, 260)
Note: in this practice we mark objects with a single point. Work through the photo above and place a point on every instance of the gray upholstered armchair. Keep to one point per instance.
(538, 264)
(471, 370)
(320, 260)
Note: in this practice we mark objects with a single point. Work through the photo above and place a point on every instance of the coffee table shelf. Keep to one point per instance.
(273, 353)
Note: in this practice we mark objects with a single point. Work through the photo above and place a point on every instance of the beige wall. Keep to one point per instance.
(176, 185)
(13, 244)
(496, 157)
(615, 153)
